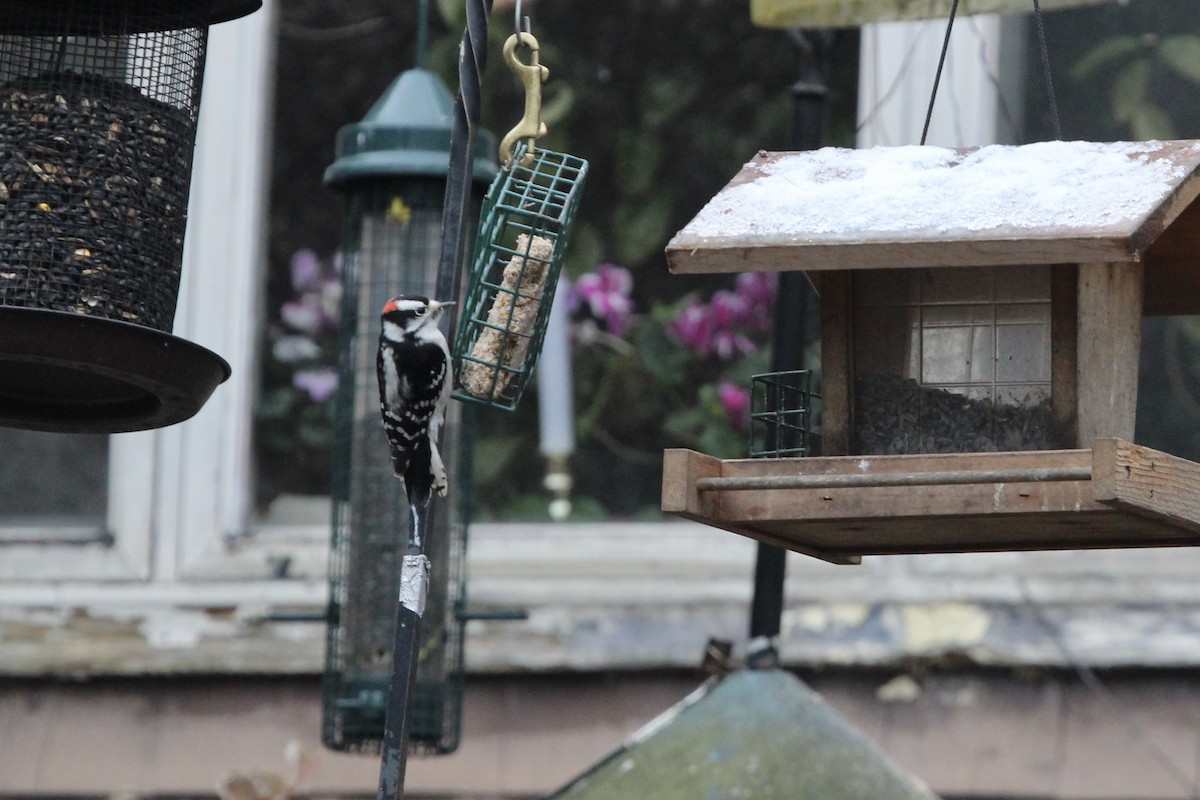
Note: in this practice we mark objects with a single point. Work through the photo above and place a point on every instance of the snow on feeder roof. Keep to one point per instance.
(1051, 202)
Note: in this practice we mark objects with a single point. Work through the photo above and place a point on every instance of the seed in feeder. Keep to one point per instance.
(44, 207)
(501, 347)
(82, 253)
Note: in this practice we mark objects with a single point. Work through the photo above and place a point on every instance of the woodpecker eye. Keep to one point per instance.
(421, 311)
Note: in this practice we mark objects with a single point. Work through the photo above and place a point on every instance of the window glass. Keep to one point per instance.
(52, 479)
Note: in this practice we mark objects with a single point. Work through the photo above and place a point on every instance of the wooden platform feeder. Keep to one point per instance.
(980, 329)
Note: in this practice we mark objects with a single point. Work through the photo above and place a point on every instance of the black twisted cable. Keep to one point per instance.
(472, 57)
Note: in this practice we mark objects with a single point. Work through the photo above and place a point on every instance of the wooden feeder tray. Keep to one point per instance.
(1116, 495)
(69, 373)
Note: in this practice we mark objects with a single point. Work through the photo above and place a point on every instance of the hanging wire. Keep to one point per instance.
(520, 27)
(937, 78)
(1046, 76)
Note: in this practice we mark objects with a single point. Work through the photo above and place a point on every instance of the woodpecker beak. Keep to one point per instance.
(437, 306)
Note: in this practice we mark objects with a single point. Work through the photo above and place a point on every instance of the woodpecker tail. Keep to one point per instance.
(418, 475)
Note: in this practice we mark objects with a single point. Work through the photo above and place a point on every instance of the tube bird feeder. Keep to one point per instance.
(98, 110)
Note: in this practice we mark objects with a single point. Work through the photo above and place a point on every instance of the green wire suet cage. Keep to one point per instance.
(391, 167)
(523, 235)
(782, 415)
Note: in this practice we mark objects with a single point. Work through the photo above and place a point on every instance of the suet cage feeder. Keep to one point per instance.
(980, 333)
(98, 109)
(391, 168)
(523, 235)
(783, 414)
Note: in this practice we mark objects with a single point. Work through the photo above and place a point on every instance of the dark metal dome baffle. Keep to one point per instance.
(98, 110)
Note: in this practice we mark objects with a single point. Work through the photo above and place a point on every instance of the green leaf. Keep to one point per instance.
(1129, 90)
(1182, 55)
(664, 97)
(1104, 53)
(586, 249)
(639, 156)
(641, 228)
(1151, 122)
(492, 456)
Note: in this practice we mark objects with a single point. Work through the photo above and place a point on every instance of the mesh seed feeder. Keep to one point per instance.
(980, 315)
(523, 234)
(98, 110)
(391, 167)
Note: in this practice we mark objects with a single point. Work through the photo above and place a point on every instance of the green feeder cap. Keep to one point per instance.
(406, 132)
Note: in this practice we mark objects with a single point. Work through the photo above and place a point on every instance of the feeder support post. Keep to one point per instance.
(792, 301)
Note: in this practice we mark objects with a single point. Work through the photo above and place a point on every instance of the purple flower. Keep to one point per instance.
(302, 315)
(757, 290)
(693, 327)
(305, 269)
(735, 400)
(728, 343)
(294, 348)
(728, 309)
(606, 293)
(319, 384)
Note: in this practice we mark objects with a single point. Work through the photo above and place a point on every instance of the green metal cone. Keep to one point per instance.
(752, 735)
(407, 133)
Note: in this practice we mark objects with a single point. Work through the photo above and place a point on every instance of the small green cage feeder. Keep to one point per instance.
(98, 109)
(392, 168)
(782, 415)
(523, 236)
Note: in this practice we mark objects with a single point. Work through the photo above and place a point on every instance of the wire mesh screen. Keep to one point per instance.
(523, 235)
(782, 415)
(392, 245)
(98, 109)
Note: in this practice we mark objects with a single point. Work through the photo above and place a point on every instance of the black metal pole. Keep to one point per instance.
(792, 303)
(414, 574)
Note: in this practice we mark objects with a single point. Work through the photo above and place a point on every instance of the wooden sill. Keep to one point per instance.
(1116, 495)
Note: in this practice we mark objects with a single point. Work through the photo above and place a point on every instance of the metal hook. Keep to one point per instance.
(531, 75)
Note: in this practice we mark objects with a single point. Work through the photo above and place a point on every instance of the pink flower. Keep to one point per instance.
(693, 327)
(606, 293)
(757, 290)
(728, 309)
(728, 344)
(735, 400)
(318, 384)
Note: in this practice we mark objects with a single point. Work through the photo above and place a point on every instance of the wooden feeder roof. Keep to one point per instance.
(895, 207)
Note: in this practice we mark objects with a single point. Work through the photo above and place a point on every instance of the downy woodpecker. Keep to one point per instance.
(414, 387)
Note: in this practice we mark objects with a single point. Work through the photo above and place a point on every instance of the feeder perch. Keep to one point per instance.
(523, 234)
(981, 314)
(98, 109)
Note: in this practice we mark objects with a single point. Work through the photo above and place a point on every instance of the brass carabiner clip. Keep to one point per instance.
(531, 75)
